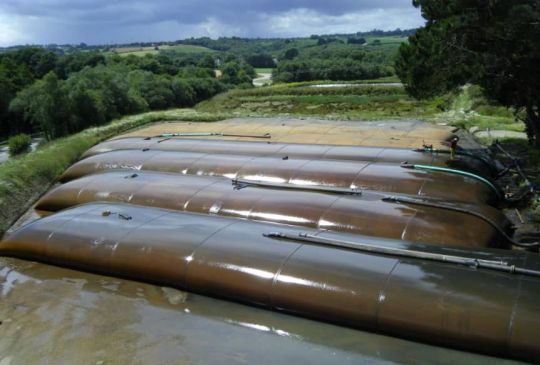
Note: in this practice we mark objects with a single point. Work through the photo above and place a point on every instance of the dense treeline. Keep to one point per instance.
(61, 94)
(335, 61)
(347, 69)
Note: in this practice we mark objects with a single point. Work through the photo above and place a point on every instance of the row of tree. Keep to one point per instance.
(317, 69)
(334, 61)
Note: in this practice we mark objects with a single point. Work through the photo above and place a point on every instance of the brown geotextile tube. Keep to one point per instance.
(460, 306)
(380, 176)
(295, 150)
(369, 213)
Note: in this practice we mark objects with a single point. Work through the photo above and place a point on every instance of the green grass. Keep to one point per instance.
(361, 102)
(138, 53)
(484, 122)
(186, 48)
(23, 180)
(297, 89)
(469, 108)
(386, 40)
(327, 99)
(264, 70)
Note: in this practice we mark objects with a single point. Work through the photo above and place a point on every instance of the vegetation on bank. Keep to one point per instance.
(24, 179)
(19, 144)
(468, 108)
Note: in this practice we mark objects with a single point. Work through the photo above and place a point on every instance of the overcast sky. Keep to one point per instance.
(123, 21)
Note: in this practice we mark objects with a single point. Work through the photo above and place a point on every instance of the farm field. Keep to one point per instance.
(143, 51)
(264, 70)
(363, 102)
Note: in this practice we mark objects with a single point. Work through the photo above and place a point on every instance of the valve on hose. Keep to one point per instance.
(453, 147)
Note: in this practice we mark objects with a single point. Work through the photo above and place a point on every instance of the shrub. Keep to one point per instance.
(19, 144)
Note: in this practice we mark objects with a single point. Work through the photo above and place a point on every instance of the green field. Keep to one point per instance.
(143, 51)
(264, 70)
(363, 100)
(386, 40)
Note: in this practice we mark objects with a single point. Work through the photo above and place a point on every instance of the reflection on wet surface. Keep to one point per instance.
(66, 316)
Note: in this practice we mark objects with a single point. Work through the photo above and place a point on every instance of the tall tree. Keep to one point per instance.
(45, 104)
(493, 43)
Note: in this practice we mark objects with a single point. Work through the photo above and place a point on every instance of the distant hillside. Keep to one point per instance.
(220, 44)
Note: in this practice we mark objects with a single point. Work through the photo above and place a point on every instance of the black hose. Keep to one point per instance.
(405, 200)
(401, 252)
(489, 164)
(240, 184)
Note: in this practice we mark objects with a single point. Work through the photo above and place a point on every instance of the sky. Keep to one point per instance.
(125, 21)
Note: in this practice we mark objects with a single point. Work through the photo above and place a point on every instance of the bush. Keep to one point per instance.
(19, 144)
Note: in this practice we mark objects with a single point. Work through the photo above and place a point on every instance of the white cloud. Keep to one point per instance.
(303, 22)
(123, 21)
(12, 30)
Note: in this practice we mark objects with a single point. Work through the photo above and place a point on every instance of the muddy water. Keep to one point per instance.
(56, 316)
